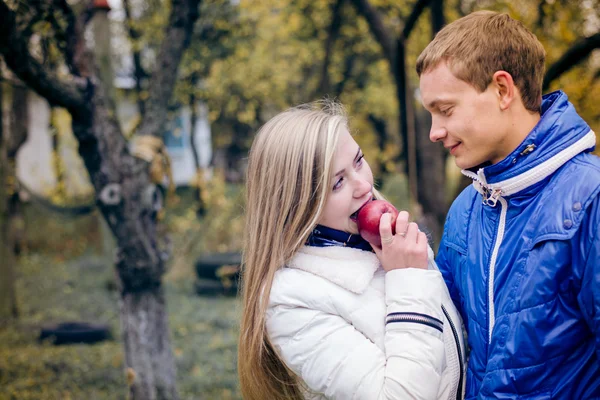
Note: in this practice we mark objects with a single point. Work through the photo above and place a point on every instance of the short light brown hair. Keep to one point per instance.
(476, 46)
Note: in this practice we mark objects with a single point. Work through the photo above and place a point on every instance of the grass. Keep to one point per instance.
(65, 275)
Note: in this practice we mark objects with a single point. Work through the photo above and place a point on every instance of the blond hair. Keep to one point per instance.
(289, 167)
(476, 46)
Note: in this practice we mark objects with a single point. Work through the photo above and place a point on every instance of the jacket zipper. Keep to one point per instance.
(492, 269)
(459, 389)
(415, 318)
(490, 197)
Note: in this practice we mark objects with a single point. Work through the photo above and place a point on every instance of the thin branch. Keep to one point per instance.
(348, 69)
(438, 19)
(18, 58)
(541, 14)
(69, 36)
(378, 29)
(139, 72)
(334, 29)
(573, 56)
(184, 14)
(412, 19)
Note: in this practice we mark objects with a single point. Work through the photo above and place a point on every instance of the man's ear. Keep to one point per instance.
(505, 89)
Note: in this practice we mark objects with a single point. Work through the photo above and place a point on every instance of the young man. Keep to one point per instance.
(521, 246)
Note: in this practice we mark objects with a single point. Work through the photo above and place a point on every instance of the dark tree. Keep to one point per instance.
(425, 162)
(125, 194)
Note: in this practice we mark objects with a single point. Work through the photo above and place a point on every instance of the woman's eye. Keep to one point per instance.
(338, 184)
(360, 159)
(446, 111)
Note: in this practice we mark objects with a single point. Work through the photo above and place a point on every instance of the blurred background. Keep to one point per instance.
(125, 127)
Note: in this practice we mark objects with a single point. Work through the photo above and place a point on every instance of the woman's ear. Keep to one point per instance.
(505, 89)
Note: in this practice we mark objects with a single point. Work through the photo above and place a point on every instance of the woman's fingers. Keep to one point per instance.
(411, 233)
(402, 223)
(422, 240)
(385, 229)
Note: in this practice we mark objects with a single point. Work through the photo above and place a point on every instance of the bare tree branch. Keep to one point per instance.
(412, 19)
(18, 58)
(378, 29)
(348, 69)
(184, 14)
(541, 14)
(70, 39)
(438, 20)
(334, 29)
(139, 72)
(573, 56)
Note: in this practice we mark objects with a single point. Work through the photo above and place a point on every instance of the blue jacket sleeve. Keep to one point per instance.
(447, 260)
(589, 295)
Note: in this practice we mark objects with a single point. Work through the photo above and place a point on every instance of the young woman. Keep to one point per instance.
(325, 316)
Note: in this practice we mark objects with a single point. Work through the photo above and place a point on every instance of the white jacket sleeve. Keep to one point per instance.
(335, 359)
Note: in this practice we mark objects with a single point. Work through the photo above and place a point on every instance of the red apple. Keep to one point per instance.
(368, 220)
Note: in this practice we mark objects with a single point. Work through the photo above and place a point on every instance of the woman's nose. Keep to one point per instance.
(363, 187)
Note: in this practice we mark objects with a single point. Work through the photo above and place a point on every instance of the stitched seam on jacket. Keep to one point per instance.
(533, 306)
(552, 185)
(527, 367)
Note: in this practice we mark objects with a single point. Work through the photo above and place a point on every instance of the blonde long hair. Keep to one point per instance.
(288, 177)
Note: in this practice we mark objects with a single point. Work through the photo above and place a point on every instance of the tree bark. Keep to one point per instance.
(125, 194)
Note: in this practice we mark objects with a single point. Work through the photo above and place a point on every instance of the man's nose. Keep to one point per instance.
(437, 133)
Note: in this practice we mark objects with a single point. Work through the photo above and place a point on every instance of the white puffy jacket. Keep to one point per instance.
(350, 330)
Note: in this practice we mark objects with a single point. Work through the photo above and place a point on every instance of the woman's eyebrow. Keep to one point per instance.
(341, 171)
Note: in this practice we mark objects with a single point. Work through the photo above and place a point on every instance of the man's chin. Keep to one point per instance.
(463, 163)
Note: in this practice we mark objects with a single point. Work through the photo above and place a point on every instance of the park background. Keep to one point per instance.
(124, 135)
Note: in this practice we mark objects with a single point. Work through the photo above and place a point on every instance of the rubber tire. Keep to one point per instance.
(75, 332)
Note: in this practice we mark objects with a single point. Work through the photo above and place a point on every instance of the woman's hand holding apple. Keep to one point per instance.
(406, 248)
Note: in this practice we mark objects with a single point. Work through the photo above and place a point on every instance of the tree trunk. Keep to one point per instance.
(406, 119)
(424, 162)
(431, 157)
(12, 222)
(431, 175)
(201, 207)
(8, 304)
(124, 195)
(145, 332)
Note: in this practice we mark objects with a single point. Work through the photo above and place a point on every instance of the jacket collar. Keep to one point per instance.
(352, 269)
(323, 236)
(559, 136)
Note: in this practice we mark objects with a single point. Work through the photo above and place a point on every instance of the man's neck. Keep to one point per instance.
(523, 123)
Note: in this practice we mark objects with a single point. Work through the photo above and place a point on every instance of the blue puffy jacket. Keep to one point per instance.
(521, 256)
